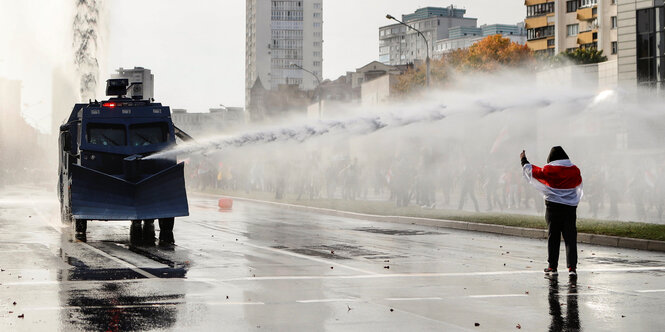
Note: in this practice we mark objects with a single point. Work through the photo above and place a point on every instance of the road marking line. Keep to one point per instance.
(582, 294)
(328, 300)
(98, 251)
(413, 298)
(424, 275)
(134, 306)
(496, 295)
(319, 260)
(120, 306)
(121, 262)
(293, 254)
(227, 303)
(651, 291)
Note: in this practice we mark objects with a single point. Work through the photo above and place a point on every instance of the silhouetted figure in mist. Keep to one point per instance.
(637, 188)
(350, 174)
(401, 183)
(492, 189)
(468, 188)
(561, 184)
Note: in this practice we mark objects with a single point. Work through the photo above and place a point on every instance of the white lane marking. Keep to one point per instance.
(423, 275)
(227, 303)
(133, 306)
(293, 254)
(496, 295)
(650, 290)
(314, 259)
(582, 294)
(413, 298)
(99, 252)
(120, 306)
(329, 300)
(121, 262)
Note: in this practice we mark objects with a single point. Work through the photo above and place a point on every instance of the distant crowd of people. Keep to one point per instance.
(428, 180)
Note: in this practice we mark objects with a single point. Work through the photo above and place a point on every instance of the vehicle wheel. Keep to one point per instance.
(166, 224)
(81, 225)
(149, 232)
(166, 231)
(136, 233)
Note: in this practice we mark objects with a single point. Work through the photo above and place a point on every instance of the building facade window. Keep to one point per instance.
(540, 9)
(651, 46)
(615, 47)
(587, 3)
(614, 22)
(571, 6)
(550, 42)
(573, 29)
(539, 33)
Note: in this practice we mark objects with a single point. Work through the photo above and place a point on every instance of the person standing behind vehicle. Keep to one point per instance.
(561, 184)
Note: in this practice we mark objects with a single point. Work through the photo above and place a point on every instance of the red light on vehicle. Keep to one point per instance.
(110, 105)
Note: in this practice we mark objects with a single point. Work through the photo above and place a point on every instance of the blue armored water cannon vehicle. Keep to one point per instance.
(103, 170)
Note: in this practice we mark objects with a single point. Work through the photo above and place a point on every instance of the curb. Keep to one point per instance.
(533, 233)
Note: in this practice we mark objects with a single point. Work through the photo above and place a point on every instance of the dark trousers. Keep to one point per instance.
(561, 219)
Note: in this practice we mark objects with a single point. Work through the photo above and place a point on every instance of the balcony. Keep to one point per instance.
(587, 37)
(533, 2)
(537, 45)
(540, 33)
(536, 22)
(585, 14)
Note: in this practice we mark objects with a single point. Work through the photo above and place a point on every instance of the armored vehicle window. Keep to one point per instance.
(106, 134)
(148, 133)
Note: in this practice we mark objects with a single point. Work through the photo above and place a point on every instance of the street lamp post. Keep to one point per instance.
(318, 84)
(390, 17)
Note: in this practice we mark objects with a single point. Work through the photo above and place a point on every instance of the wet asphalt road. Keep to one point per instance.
(260, 267)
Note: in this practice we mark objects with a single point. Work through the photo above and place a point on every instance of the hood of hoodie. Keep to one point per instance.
(557, 153)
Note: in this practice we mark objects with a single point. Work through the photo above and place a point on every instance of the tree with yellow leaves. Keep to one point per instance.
(487, 55)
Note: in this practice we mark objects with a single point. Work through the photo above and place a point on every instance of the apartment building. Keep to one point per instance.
(399, 45)
(464, 37)
(280, 35)
(641, 43)
(555, 26)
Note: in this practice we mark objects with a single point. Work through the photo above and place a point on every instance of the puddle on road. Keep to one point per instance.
(399, 232)
(111, 308)
(339, 251)
(616, 260)
(312, 252)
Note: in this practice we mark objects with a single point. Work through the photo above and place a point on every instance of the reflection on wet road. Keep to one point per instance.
(263, 267)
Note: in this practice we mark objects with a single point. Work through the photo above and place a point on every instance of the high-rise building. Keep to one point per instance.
(641, 43)
(555, 26)
(280, 37)
(399, 45)
(18, 140)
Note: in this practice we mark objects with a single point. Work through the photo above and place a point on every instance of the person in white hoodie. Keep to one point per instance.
(560, 182)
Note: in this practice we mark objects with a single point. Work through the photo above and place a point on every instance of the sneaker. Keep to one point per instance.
(572, 272)
(551, 271)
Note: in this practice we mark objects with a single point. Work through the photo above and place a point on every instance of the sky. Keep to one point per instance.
(195, 48)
